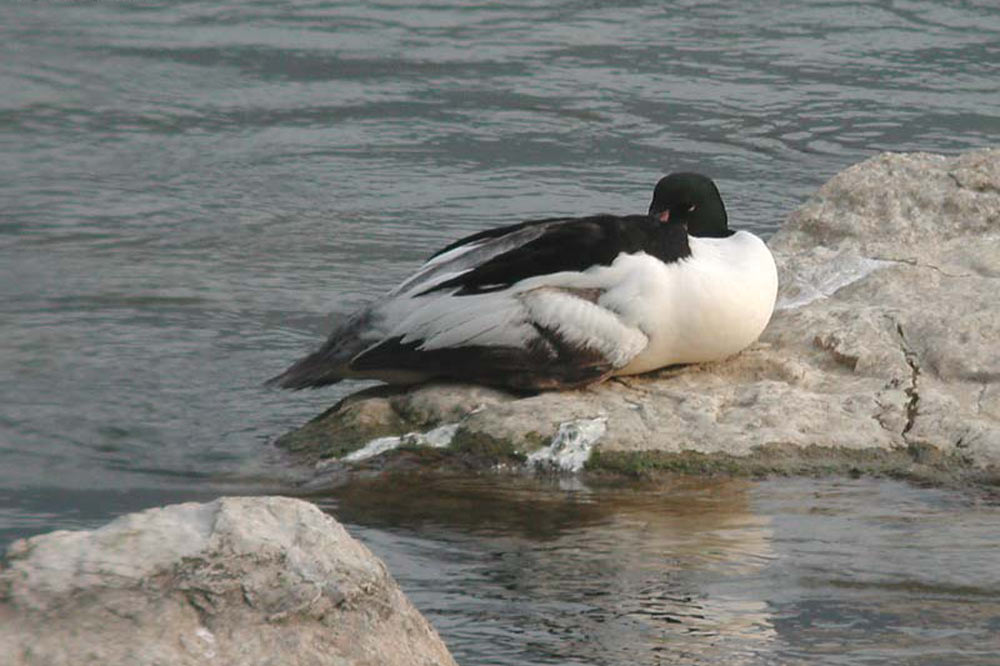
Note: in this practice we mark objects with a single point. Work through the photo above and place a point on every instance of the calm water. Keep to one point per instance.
(723, 572)
(188, 190)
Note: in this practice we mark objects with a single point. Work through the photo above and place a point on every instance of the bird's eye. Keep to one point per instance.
(692, 208)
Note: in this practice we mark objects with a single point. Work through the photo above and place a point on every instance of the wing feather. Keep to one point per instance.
(571, 244)
(496, 259)
(466, 254)
(540, 338)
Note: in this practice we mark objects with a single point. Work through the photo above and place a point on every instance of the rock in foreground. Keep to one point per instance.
(884, 354)
(235, 581)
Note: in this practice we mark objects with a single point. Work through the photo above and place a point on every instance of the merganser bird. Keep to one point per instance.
(564, 302)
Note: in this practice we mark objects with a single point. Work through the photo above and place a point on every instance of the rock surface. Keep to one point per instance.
(236, 581)
(884, 353)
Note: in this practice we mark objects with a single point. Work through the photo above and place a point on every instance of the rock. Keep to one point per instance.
(235, 581)
(884, 353)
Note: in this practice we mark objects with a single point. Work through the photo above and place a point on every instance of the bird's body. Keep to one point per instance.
(565, 302)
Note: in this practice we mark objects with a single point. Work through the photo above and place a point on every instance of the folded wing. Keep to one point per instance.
(545, 337)
(481, 310)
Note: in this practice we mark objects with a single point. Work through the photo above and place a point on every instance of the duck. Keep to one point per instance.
(564, 302)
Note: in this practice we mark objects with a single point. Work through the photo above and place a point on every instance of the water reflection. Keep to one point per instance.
(548, 575)
(514, 571)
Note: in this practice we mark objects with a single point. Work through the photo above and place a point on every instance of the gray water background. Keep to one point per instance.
(192, 192)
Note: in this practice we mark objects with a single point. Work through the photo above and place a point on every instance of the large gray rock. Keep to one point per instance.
(884, 354)
(236, 581)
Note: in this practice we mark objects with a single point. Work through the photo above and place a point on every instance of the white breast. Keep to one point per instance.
(706, 307)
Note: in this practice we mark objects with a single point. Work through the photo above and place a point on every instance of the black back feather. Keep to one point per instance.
(567, 244)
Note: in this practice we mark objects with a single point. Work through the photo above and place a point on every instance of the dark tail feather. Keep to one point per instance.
(328, 364)
(313, 371)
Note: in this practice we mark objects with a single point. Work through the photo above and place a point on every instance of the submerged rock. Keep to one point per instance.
(884, 353)
(235, 581)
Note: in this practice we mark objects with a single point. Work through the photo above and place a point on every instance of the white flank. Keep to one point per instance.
(570, 447)
(706, 307)
(585, 324)
(437, 438)
(441, 320)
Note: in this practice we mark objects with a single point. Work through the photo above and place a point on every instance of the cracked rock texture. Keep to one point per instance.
(243, 581)
(887, 338)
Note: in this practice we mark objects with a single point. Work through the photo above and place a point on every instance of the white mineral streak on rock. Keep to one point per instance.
(571, 446)
(437, 438)
(374, 448)
(823, 278)
(205, 643)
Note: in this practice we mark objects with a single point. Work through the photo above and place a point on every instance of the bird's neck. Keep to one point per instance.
(670, 243)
